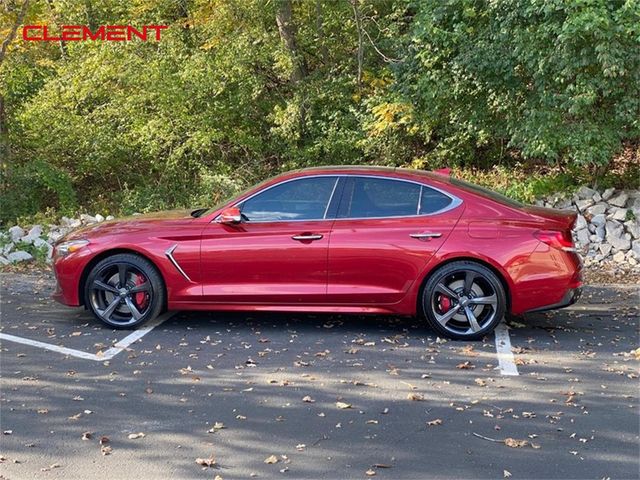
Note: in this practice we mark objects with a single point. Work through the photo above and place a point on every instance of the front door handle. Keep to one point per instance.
(425, 236)
(302, 238)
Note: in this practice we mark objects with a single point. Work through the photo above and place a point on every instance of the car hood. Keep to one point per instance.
(132, 223)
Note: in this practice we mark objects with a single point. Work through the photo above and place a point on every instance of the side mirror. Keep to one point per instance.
(230, 216)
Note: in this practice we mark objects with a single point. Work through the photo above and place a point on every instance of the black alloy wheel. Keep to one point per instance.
(124, 291)
(464, 300)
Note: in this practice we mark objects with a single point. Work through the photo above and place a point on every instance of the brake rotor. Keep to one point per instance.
(458, 287)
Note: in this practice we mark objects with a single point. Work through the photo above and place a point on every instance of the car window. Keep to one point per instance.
(302, 199)
(433, 201)
(368, 197)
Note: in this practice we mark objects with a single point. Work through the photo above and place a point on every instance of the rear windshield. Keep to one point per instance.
(485, 192)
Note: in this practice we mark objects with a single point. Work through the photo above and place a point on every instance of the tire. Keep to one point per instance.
(124, 291)
(464, 300)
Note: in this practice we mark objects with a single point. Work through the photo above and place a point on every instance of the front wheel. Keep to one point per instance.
(124, 291)
(464, 300)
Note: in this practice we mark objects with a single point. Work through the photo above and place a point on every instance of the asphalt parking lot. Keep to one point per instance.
(310, 396)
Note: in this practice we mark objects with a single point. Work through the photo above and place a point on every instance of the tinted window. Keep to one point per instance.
(366, 197)
(304, 199)
(432, 201)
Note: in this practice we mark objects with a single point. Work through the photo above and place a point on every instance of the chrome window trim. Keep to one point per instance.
(455, 201)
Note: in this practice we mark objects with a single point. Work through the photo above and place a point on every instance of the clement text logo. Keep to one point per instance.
(76, 33)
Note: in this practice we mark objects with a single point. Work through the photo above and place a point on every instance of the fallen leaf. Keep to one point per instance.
(481, 382)
(466, 366)
(513, 443)
(433, 423)
(216, 426)
(506, 473)
(75, 334)
(134, 436)
(76, 416)
(104, 440)
(206, 462)
(370, 473)
(308, 399)
(43, 411)
(381, 465)
(87, 436)
(271, 459)
(342, 405)
(416, 397)
(106, 450)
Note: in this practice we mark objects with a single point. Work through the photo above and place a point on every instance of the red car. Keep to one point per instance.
(334, 239)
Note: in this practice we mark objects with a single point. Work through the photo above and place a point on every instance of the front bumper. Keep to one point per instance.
(569, 298)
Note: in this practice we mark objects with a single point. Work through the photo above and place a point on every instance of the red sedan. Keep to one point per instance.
(336, 239)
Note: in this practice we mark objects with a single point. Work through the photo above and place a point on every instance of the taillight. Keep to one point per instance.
(560, 240)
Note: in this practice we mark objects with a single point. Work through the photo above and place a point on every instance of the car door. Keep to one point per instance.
(277, 254)
(385, 232)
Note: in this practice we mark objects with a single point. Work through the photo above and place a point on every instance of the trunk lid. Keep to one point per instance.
(563, 219)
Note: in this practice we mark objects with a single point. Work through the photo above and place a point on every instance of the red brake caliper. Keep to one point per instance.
(445, 304)
(140, 297)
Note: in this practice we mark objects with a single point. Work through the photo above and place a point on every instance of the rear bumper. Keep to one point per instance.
(571, 297)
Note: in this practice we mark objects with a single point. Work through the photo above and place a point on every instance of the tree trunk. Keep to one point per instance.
(54, 16)
(14, 29)
(360, 54)
(324, 53)
(288, 35)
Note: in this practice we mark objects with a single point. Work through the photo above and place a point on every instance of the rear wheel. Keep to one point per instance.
(464, 300)
(124, 291)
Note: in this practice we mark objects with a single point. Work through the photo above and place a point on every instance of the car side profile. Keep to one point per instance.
(360, 240)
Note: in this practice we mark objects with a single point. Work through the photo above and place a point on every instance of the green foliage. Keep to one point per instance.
(555, 80)
(213, 107)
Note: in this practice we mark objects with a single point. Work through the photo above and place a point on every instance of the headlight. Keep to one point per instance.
(65, 248)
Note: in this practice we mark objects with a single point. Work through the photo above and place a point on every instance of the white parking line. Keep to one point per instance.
(503, 348)
(107, 355)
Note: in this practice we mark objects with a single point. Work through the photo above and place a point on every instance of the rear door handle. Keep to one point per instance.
(302, 238)
(425, 236)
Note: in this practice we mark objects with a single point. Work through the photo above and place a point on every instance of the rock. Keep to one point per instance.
(608, 193)
(7, 248)
(583, 236)
(597, 209)
(619, 243)
(635, 208)
(16, 233)
(55, 235)
(564, 204)
(596, 197)
(600, 232)
(99, 218)
(19, 256)
(110, 217)
(585, 192)
(599, 220)
(35, 232)
(84, 218)
(619, 200)
(581, 223)
(619, 257)
(619, 214)
(75, 223)
(632, 261)
(605, 249)
(584, 204)
(4, 261)
(633, 227)
(635, 247)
